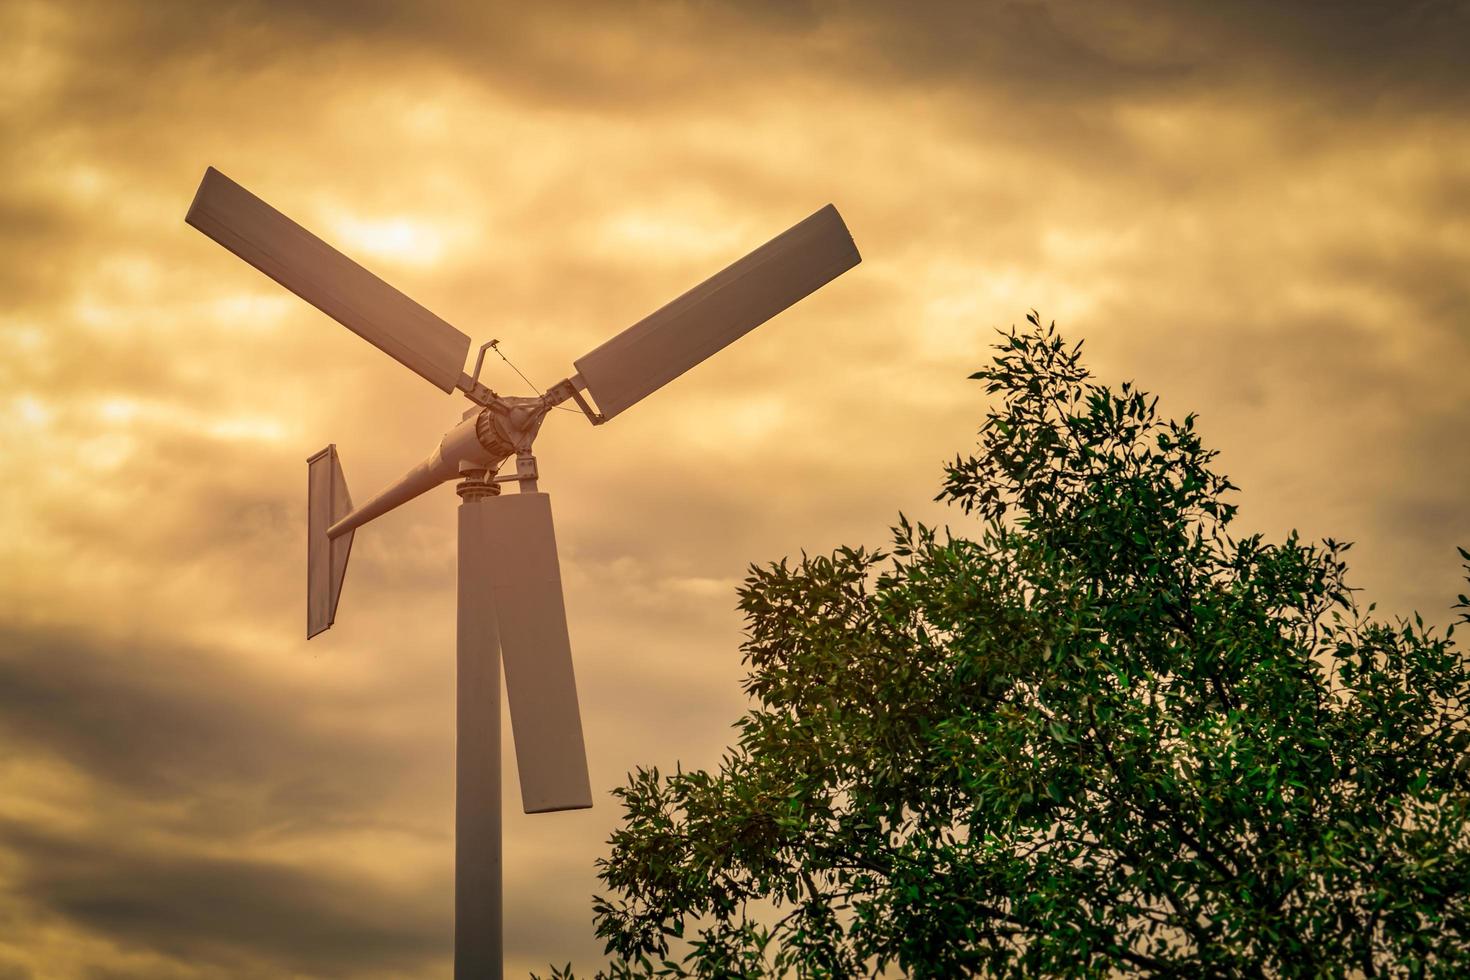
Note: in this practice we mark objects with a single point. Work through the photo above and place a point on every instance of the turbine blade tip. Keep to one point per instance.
(558, 807)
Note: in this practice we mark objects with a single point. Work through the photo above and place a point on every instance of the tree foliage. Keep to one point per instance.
(1098, 734)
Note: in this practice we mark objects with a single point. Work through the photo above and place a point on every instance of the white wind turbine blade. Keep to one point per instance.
(720, 310)
(328, 280)
(530, 615)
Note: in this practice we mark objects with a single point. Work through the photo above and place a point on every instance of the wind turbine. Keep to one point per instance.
(510, 596)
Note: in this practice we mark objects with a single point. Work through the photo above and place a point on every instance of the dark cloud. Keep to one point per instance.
(1020, 51)
(213, 756)
(1398, 52)
(1427, 277)
(1063, 53)
(160, 722)
(243, 917)
(1075, 53)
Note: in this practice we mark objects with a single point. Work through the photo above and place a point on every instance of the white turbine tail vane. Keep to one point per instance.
(326, 557)
(717, 312)
(329, 280)
(331, 518)
(530, 614)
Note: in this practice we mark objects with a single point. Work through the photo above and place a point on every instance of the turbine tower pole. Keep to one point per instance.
(478, 950)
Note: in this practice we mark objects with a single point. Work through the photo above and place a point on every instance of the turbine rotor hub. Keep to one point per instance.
(508, 426)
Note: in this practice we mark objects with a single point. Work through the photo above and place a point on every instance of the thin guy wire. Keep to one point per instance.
(534, 387)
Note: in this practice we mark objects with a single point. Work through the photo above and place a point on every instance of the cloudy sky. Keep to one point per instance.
(1257, 210)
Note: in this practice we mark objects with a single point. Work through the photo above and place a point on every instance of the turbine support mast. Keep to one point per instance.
(478, 870)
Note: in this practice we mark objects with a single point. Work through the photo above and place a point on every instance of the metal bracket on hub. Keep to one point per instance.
(571, 388)
(474, 391)
(470, 383)
(524, 470)
(526, 473)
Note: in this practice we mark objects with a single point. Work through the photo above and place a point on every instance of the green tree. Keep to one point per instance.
(1099, 734)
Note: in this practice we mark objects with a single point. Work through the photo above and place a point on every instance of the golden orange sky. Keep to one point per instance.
(1256, 210)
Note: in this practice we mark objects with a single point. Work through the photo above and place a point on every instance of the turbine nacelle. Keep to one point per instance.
(482, 441)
